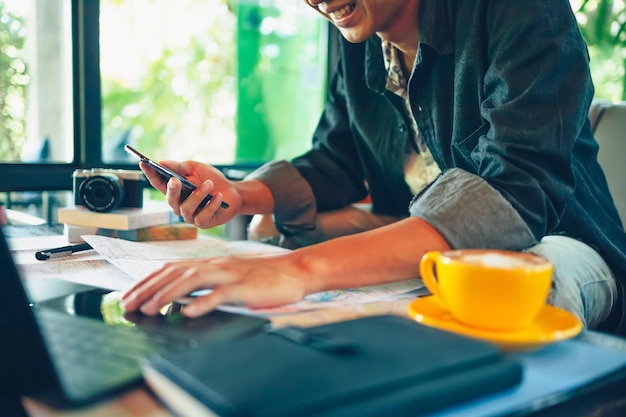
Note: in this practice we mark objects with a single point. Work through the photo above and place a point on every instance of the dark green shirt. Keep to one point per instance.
(500, 92)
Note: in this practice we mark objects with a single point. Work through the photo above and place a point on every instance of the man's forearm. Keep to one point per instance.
(389, 253)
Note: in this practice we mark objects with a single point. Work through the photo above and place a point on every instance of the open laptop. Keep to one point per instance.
(78, 348)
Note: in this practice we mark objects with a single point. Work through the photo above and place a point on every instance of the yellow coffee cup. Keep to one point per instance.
(489, 289)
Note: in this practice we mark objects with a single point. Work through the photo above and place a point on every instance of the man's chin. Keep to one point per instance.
(354, 36)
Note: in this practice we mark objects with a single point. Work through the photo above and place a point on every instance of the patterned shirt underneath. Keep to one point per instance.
(419, 166)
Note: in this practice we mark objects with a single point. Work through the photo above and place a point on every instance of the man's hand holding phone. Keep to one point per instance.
(198, 204)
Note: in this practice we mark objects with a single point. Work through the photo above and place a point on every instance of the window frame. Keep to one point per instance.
(86, 109)
(87, 113)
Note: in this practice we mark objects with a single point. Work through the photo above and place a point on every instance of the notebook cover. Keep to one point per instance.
(380, 365)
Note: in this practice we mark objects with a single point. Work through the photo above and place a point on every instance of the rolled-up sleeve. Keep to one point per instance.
(470, 213)
(294, 204)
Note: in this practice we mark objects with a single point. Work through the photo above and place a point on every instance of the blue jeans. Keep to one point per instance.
(582, 282)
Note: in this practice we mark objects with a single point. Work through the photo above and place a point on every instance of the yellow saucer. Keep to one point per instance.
(551, 324)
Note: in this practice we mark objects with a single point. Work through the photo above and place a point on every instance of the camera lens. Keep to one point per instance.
(101, 193)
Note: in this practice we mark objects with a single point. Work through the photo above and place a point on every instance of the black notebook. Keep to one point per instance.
(73, 355)
(373, 366)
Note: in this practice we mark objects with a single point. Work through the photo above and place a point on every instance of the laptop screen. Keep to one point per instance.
(25, 359)
(33, 362)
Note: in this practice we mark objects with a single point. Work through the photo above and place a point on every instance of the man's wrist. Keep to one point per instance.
(256, 197)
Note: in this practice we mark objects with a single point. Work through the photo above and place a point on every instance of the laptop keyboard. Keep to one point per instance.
(90, 356)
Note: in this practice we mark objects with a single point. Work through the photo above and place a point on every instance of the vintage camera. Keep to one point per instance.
(103, 190)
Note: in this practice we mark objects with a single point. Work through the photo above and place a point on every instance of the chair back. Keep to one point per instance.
(608, 121)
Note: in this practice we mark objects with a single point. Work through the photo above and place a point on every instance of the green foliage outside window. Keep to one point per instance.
(175, 92)
(603, 24)
(225, 89)
(13, 84)
(214, 82)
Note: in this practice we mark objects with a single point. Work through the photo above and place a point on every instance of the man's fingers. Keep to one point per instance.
(143, 290)
(173, 195)
(154, 177)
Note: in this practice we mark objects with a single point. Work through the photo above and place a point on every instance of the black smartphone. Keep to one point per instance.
(166, 173)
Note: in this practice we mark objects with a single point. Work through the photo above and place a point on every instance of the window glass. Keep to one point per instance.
(223, 81)
(212, 80)
(602, 23)
(219, 81)
(36, 121)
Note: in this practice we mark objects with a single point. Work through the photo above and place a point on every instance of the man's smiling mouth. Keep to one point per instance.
(343, 12)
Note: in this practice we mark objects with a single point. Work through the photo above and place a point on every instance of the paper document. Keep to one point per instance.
(339, 298)
(138, 259)
(88, 268)
(94, 272)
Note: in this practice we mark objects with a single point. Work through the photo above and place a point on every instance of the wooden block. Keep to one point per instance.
(172, 231)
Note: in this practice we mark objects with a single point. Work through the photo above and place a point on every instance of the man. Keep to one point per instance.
(464, 121)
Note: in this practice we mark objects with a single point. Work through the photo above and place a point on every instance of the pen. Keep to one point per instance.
(62, 251)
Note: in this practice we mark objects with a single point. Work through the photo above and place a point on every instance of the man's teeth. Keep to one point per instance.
(344, 11)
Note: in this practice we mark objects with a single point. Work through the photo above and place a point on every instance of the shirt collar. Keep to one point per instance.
(436, 19)
(396, 81)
